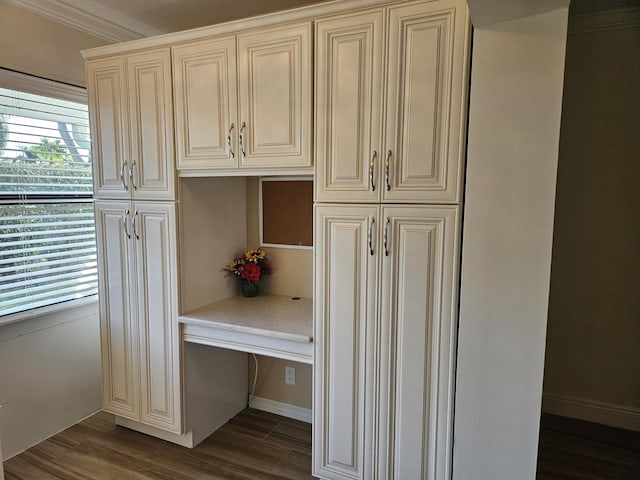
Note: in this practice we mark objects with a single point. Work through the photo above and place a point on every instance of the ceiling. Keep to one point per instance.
(122, 20)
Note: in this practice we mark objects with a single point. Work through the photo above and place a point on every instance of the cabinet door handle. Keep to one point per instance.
(229, 144)
(126, 221)
(372, 167)
(387, 168)
(122, 176)
(135, 229)
(132, 170)
(370, 235)
(241, 140)
(386, 236)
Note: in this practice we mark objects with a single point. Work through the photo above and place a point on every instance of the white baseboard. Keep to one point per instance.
(279, 408)
(592, 411)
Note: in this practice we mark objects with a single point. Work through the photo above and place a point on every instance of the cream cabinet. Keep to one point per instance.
(131, 121)
(406, 144)
(244, 101)
(206, 112)
(418, 311)
(384, 341)
(345, 304)
(137, 255)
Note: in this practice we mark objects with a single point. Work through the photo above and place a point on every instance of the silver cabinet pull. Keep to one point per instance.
(135, 229)
(126, 221)
(229, 144)
(241, 140)
(122, 176)
(387, 168)
(131, 176)
(386, 236)
(372, 167)
(370, 235)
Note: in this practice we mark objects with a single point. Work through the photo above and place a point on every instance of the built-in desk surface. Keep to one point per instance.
(273, 325)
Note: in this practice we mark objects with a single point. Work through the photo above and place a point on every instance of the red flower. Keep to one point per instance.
(250, 271)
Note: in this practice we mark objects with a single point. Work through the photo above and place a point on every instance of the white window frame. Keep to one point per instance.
(41, 86)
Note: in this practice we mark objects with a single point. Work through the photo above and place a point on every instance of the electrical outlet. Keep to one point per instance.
(290, 375)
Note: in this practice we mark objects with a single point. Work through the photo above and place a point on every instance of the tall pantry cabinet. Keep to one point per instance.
(132, 127)
(390, 113)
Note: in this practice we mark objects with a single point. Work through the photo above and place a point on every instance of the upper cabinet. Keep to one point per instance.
(245, 101)
(131, 125)
(414, 151)
(206, 114)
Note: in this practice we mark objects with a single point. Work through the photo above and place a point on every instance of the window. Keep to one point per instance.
(47, 233)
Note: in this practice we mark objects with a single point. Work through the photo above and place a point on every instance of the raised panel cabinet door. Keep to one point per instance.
(349, 102)
(106, 89)
(426, 110)
(118, 332)
(151, 125)
(417, 341)
(205, 99)
(346, 253)
(276, 97)
(154, 229)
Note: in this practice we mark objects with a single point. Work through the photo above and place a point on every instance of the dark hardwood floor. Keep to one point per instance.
(252, 445)
(257, 445)
(576, 450)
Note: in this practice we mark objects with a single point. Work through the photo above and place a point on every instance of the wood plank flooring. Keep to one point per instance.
(576, 450)
(252, 445)
(259, 445)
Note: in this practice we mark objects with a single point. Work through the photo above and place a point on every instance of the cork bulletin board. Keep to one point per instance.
(287, 212)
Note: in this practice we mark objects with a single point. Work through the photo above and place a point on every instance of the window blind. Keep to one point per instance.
(47, 231)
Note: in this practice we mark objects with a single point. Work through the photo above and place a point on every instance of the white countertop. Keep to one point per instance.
(270, 316)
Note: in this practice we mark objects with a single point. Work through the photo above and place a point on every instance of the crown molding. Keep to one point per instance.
(89, 17)
(621, 19)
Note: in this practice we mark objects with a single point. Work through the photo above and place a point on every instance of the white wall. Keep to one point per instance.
(49, 366)
(1, 457)
(514, 123)
(49, 375)
(31, 44)
(292, 275)
(591, 367)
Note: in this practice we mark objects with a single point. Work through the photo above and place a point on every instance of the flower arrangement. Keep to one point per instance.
(250, 268)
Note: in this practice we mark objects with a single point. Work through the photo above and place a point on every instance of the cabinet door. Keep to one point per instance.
(119, 337)
(205, 96)
(154, 228)
(151, 125)
(106, 89)
(349, 107)
(345, 332)
(426, 102)
(418, 312)
(275, 92)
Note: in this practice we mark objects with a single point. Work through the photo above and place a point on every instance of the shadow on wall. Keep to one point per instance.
(593, 329)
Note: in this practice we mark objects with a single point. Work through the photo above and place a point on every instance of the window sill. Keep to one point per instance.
(47, 310)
